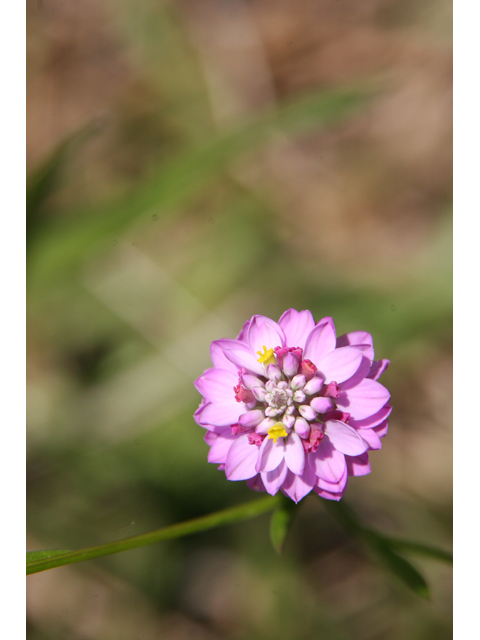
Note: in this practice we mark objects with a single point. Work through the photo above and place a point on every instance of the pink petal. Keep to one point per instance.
(344, 438)
(295, 454)
(322, 405)
(329, 463)
(327, 494)
(313, 386)
(241, 355)
(220, 361)
(250, 381)
(219, 414)
(382, 429)
(296, 326)
(256, 483)
(217, 385)
(321, 341)
(251, 419)
(372, 421)
(307, 412)
(259, 393)
(297, 487)
(264, 426)
(378, 367)
(273, 480)
(356, 338)
(290, 365)
(364, 400)
(241, 459)
(219, 446)
(242, 336)
(358, 466)
(340, 364)
(361, 373)
(302, 428)
(270, 454)
(333, 487)
(371, 438)
(264, 332)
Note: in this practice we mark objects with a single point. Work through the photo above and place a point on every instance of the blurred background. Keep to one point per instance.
(192, 163)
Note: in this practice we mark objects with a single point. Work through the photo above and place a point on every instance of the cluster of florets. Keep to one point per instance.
(289, 406)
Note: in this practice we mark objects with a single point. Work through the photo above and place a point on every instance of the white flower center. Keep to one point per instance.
(279, 398)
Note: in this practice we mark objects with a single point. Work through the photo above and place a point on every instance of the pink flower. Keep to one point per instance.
(290, 406)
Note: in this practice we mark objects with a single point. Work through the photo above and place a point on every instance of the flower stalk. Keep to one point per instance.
(43, 560)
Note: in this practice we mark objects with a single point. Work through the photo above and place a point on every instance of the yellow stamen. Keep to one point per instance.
(277, 431)
(266, 357)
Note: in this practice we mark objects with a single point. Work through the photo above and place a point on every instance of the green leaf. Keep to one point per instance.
(398, 565)
(420, 549)
(281, 521)
(43, 560)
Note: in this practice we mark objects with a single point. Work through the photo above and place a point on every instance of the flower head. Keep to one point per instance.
(289, 406)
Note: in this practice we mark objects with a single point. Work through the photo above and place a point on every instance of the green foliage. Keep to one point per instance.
(44, 181)
(33, 557)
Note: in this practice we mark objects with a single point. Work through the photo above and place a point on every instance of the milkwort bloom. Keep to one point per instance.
(290, 406)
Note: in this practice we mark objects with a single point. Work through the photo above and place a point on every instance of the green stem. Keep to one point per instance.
(226, 516)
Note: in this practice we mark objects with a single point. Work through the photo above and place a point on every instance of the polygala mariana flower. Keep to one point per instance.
(289, 406)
